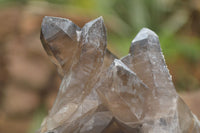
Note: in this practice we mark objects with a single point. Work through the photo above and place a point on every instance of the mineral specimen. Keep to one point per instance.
(134, 94)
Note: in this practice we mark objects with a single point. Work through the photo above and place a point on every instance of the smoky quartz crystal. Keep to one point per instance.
(100, 93)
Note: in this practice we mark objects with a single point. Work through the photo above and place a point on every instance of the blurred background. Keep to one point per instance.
(29, 81)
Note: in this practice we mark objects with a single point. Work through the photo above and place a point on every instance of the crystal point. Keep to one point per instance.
(143, 34)
(52, 25)
(145, 40)
(100, 93)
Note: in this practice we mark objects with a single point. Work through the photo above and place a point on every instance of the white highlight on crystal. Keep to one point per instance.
(78, 34)
(143, 34)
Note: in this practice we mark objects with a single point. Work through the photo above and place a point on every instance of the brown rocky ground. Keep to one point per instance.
(28, 80)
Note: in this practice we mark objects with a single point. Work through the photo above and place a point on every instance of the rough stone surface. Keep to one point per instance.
(102, 94)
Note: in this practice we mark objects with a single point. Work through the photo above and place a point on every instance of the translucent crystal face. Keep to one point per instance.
(102, 94)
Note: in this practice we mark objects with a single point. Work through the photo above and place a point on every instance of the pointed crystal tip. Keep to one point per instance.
(94, 32)
(144, 33)
(98, 19)
(95, 21)
(52, 25)
(55, 20)
(119, 64)
(145, 40)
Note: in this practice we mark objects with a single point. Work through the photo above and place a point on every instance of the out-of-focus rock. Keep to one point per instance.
(26, 65)
(8, 125)
(192, 99)
(9, 21)
(50, 99)
(19, 100)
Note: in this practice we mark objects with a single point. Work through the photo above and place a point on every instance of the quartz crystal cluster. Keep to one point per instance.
(100, 93)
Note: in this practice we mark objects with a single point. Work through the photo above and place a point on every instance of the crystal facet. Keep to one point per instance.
(100, 93)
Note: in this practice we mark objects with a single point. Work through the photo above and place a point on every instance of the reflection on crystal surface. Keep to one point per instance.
(102, 94)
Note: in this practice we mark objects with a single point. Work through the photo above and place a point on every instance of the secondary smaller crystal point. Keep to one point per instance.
(144, 33)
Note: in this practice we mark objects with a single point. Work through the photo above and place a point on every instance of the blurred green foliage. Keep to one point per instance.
(38, 117)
